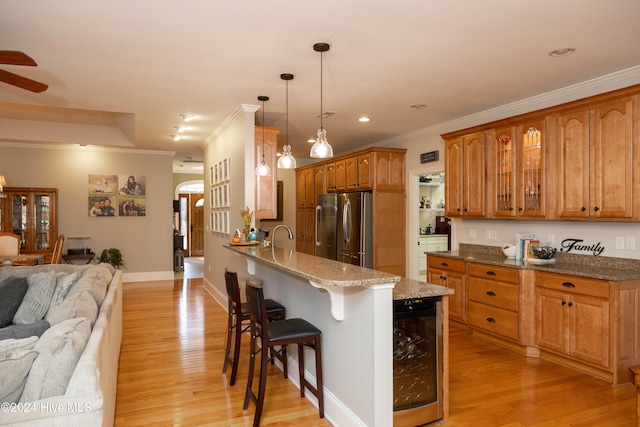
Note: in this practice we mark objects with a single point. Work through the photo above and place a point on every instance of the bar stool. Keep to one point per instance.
(279, 333)
(239, 312)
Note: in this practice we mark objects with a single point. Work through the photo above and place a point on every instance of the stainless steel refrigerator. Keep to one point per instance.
(326, 225)
(346, 220)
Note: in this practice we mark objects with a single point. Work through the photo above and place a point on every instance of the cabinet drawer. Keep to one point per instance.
(503, 274)
(442, 263)
(573, 284)
(493, 319)
(491, 292)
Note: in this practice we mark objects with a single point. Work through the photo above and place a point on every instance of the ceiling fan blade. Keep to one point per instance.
(14, 57)
(22, 82)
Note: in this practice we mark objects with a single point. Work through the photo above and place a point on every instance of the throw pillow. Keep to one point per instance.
(24, 331)
(64, 281)
(12, 291)
(14, 372)
(93, 283)
(37, 299)
(11, 347)
(59, 348)
(78, 305)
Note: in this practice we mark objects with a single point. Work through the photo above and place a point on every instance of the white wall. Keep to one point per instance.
(145, 242)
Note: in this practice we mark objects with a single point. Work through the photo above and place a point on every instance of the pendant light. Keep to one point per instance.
(287, 161)
(321, 148)
(263, 169)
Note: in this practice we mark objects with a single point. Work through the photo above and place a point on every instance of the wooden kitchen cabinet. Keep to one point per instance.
(493, 300)
(573, 318)
(32, 214)
(336, 176)
(517, 168)
(266, 186)
(465, 176)
(310, 183)
(389, 174)
(450, 272)
(597, 162)
(358, 172)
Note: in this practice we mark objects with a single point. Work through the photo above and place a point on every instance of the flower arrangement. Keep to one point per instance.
(247, 216)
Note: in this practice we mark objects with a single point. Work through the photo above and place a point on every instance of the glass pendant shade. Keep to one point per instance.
(286, 161)
(263, 169)
(321, 149)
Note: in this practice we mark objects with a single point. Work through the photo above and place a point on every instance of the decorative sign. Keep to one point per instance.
(431, 156)
(569, 245)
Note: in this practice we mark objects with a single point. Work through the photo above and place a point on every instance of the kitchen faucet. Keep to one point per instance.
(273, 233)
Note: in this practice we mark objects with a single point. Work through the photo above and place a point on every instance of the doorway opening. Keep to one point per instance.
(189, 218)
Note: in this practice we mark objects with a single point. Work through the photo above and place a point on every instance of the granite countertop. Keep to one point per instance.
(409, 288)
(595, 267)
(325, 272)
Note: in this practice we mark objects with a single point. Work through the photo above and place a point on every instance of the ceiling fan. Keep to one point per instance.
(14, 57)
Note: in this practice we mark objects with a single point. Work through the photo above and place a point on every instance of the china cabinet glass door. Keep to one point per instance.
(531, 185)
(505, 161)
(19, 218)
(42, 225)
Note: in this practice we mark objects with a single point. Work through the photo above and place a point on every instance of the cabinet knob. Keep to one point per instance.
(491, 293)
(570, 304)
(596, 209)
(564, 302)
(444, 264)
(491, 273)
(491, 320)
(568, 285)
(520, 209)
(583, 209)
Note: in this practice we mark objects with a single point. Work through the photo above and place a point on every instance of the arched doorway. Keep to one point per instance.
(189, 220)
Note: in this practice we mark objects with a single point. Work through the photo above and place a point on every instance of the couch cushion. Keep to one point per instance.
(94, 283)
(77, 305)
(12, 291)
(35, 303)
(59, 348)
(15, 371)
(10, 347)
(24, 331)
(64, 281)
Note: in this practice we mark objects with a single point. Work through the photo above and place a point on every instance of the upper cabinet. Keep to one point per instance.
(266, 186)
(597, 162)
(464, 176)
(577, 161)
(518, 169)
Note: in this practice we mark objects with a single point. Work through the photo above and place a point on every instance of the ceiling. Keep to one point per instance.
(120, 72)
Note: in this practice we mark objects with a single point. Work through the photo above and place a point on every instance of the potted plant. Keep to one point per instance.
(113, 257)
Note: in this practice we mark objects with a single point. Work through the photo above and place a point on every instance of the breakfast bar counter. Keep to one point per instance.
(352, 306)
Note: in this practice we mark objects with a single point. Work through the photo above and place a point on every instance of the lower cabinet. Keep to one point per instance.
(589, 324)
(449, 272)
(573, 317)
(493, 294)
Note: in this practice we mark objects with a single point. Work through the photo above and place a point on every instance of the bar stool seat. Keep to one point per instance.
(279, 333)
(238, 313)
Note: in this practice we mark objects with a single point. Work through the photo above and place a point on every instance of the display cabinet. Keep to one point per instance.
(32, 214)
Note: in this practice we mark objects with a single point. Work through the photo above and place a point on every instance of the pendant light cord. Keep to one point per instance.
(321, 92)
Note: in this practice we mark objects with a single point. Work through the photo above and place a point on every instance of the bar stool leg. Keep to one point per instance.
(252, 359)
(319, 382)
(228, 344)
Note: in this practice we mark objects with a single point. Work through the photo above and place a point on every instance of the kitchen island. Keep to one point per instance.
(352, 306)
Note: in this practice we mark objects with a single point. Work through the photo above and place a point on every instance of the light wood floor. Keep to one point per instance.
(171, 362)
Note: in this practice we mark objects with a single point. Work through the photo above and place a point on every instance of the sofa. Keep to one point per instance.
(60, 368)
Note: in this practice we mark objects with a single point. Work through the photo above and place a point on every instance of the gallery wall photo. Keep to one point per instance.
(117, 195)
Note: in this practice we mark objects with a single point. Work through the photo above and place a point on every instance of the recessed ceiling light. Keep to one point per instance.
(418, 106)
(562, 52)
(187, 117)
(364, 119)
(175, 137)
(311, 141)
(180, 128)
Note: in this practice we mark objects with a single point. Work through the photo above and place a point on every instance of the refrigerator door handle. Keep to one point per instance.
(318, 219)
(346, 221)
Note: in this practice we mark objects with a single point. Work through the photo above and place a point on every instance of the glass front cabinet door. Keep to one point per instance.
(31, 213)
(519, 164)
